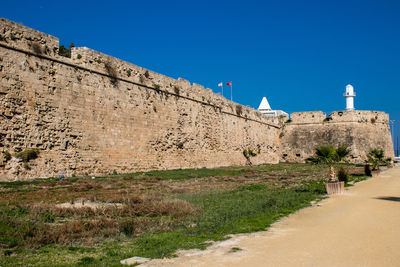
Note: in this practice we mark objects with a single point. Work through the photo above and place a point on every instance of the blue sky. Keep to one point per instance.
(300, 54)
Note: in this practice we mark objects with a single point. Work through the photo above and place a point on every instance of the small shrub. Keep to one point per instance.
(98, 60)
(327, 119)
(12, 37)
(367, 170)
(86, 260)
(129, 72)
(115, 172)
(26, 166)
(70, 46)
(176, 90)
(64, 52)
(48, 217)
(127, 227)
(248, 153)
(156, 86)
(239, 110)
(112, 73)
(7, 155)
(79, 56)
(27, 155)
(235, 249)
(342, 175)
(288, 121)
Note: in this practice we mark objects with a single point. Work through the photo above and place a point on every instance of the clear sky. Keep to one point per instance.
(300, 54)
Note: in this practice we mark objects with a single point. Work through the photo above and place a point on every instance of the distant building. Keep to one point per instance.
(349, 95)
(266, 110)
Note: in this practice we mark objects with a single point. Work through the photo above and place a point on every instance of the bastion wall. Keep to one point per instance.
(360, 130)
(94, 114)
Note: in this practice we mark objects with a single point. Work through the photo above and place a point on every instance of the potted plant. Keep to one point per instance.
(330, 155)
(376, 158)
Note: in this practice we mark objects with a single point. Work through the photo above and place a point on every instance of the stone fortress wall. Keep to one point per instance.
(360, 130)
(93, 114)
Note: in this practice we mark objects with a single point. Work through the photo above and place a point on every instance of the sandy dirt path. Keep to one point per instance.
(359, 228)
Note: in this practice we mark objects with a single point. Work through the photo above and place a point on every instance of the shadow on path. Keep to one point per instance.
(389, 198)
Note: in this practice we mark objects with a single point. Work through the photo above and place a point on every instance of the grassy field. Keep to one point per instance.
(98, 222)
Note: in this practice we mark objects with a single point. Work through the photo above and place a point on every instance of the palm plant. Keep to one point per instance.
(376, 157)
(330, 155)
(327, 155)
(342, 152)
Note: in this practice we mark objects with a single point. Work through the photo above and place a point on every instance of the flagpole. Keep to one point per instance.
(231, 91)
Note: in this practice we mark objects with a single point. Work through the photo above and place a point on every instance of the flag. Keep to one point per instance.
(230, 83)
(220, 85)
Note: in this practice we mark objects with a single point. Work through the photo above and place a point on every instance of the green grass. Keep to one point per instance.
(243, 208)
(177, 174)
(353, 179)
(182, 174)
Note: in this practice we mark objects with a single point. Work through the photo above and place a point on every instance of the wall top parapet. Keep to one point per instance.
(32, 42)
(22, 37)
(360, 116)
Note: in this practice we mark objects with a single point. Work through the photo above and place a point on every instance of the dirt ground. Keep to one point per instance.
(359, 228)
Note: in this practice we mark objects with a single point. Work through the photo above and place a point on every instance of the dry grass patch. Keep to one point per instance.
(88, 211)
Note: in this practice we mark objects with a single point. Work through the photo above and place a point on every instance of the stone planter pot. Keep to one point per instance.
(334, 188)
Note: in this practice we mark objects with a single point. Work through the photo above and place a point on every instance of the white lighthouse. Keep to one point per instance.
(349, 95)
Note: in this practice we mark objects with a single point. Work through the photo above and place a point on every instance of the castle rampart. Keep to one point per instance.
(93, 114)
(360, 130)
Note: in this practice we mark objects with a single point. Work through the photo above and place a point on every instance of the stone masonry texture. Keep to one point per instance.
(94, 114)
(360, 130)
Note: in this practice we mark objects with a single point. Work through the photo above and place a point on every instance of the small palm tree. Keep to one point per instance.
(330, 155)
(376, 157)
(342, 152)
(327, 155)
